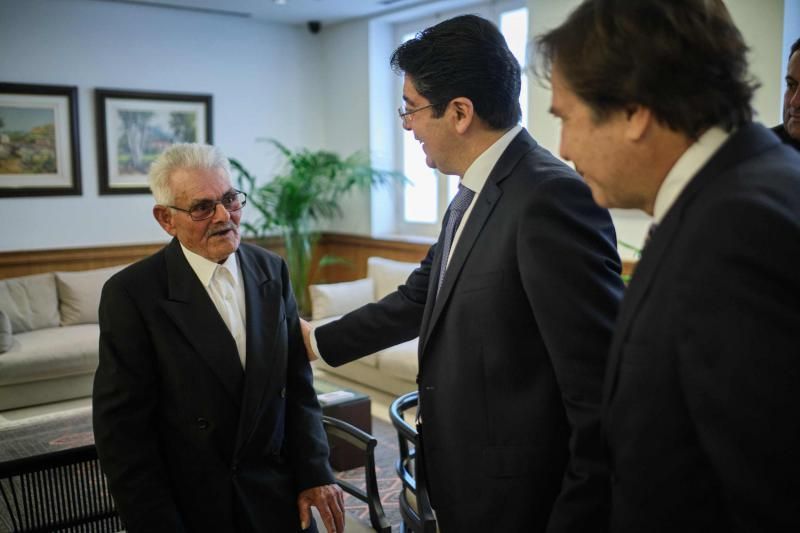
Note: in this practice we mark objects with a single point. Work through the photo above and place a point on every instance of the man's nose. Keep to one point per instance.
(220, 213)
(794, 101)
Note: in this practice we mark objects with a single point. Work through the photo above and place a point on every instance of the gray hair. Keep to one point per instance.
(182, 156)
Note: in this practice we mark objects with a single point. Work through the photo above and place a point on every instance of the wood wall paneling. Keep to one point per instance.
(353, 249)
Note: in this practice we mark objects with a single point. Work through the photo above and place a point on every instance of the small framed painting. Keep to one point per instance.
(39, 142)
(134, 127)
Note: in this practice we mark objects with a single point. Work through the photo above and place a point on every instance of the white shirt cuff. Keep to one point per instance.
(314, 347)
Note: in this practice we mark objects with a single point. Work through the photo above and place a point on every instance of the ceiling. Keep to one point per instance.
(288, 11)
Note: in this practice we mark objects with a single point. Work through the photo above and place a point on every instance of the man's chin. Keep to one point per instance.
(792, 127)
(224, 245)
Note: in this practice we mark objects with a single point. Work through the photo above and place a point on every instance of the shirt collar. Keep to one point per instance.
(204, 268)
(478, 172)
(686, 168)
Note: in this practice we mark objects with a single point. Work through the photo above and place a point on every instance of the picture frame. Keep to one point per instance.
(39, 140)
(134, 127)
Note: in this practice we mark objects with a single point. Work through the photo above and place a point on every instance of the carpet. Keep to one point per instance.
(74, 428)
(389, 485)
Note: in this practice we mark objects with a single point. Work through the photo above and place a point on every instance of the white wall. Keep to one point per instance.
(346, 112)
(263, 78)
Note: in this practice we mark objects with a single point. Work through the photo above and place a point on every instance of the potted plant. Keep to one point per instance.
(309, 190)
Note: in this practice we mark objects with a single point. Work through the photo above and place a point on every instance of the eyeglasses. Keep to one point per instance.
(205, 209)
(404, 113)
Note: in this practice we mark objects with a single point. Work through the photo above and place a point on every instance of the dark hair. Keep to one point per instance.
(682, 59)
(795, 47)
(464, 56)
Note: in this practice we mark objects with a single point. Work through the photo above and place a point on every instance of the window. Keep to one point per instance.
(424, 199)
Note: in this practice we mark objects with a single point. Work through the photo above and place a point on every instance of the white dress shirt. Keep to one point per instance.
(223, 285)
(478, 172)
(686, 168)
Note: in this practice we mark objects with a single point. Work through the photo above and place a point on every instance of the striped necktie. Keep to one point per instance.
(456, 211)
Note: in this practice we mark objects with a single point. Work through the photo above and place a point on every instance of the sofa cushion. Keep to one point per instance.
(334, 299)
(400, 361)
(6, 337)
(79, 294)
(388, 274)
(31, 302)
(50, 353)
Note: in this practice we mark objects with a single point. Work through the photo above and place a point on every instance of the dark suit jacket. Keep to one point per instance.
(511, 353)
(701, 399)
(189, 441)
(783, 135)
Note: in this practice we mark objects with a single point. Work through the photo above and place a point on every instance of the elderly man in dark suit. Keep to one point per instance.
(205, 417)
(514, 305)
(701, 397)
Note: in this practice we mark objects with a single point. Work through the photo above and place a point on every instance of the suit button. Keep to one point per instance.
(283, 392)
(202, 423)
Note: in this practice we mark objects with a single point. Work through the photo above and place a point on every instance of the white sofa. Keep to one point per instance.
(393, 370)
(49, 336)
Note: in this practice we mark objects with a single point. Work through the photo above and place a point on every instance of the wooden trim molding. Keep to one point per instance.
(352, 250)
(23, 263)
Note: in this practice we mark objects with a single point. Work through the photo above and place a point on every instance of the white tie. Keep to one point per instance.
(228, 308)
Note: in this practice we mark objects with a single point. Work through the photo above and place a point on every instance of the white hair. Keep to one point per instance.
(183, 156)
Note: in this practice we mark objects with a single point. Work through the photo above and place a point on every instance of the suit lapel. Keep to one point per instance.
(263, 301)
(646, 272)
(485, 203)
(745, 143)
(194, 315)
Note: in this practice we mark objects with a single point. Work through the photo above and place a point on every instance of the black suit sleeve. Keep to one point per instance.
(124, 400)
(571, 276)
(393, 320)
(306, 440)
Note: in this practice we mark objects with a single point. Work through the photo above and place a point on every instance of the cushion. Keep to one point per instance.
(333, 299)
(6, 338)
(79, 294)
(388, 274)
(50, 353)
(401, 360)
(30, 302)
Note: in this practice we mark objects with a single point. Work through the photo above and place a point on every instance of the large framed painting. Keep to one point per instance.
(39, 143)
(134, 127)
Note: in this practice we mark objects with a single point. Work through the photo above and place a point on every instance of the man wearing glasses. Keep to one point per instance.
(514, 305)
(205, 417)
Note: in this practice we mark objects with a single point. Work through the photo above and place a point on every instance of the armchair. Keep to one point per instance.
(415, 506)
(365, 442)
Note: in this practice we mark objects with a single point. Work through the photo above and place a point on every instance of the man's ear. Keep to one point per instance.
(163, 216)
(463, 113)
(639, 119)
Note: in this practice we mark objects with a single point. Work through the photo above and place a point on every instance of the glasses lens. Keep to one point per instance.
(202, 210)
(233, 201)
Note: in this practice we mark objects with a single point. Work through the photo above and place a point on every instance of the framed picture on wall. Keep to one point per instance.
(39, 143)
(134, 127)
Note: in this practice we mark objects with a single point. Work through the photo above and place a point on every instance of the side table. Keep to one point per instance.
(352, 407)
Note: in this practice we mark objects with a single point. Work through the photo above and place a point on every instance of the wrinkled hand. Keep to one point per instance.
(329, 502)
(305, 327)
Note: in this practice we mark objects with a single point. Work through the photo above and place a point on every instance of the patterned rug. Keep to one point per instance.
(389, 484)
(74, 428)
